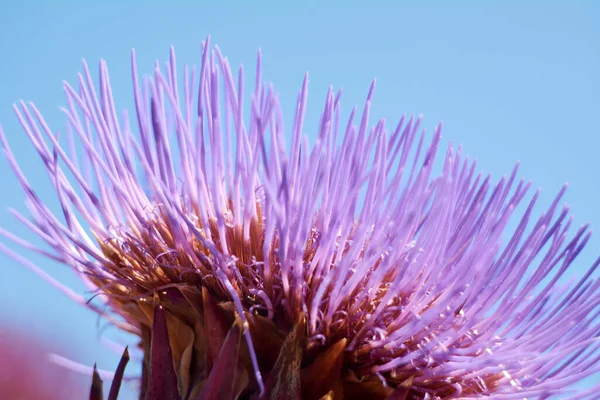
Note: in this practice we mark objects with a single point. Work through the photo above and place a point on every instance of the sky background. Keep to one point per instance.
(511, 82)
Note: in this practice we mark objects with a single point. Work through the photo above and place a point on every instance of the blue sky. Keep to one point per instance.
(511, 82)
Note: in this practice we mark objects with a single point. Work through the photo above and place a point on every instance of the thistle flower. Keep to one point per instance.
(343, 270)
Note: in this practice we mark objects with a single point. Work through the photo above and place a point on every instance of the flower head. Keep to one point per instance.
(250, 262)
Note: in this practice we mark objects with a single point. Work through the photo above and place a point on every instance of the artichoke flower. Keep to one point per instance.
(253, 264)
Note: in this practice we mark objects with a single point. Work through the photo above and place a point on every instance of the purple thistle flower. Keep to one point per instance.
(349, 268)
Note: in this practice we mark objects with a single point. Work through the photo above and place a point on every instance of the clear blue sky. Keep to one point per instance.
(511, 82)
